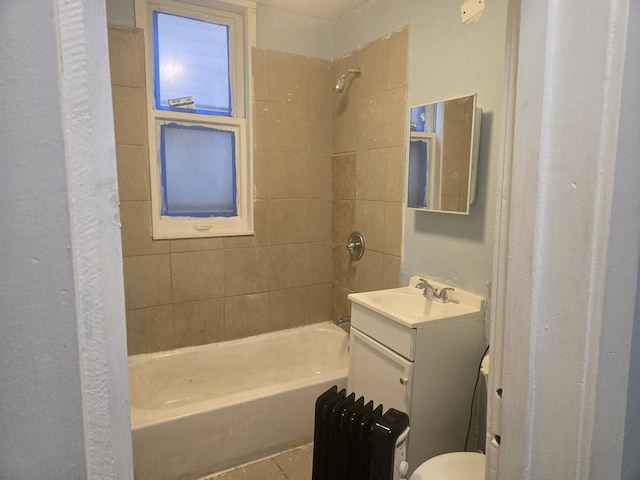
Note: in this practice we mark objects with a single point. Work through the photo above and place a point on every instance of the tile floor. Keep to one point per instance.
(290, 465)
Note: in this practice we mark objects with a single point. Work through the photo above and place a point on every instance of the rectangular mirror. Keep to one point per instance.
(443, 153)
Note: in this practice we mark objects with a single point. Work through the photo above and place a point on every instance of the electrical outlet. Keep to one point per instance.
(470, 9)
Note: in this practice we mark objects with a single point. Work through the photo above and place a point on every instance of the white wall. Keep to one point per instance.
(294, 33)
(446, 59)
(566, 286)
(63, 400)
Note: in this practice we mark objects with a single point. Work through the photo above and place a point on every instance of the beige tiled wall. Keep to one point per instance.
(324, 165)
(189, 292)
(368, 166)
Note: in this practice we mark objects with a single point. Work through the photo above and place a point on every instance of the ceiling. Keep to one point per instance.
(325, 9)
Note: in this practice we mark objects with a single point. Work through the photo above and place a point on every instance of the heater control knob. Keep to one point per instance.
(403, 468)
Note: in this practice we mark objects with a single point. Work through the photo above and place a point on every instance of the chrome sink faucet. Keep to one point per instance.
(432, 293)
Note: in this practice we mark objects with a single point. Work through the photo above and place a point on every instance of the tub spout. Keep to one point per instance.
(343, 321)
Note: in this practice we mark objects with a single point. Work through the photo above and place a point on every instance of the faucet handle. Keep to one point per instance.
(444, 294)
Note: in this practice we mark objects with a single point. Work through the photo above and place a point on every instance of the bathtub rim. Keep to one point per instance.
(327, 325)
(142, 418)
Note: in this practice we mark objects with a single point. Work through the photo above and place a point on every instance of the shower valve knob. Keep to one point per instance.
(355, 245)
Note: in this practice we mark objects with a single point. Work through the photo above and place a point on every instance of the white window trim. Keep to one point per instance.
(232, 11)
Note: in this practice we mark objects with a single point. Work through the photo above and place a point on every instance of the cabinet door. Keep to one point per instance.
(379, 374)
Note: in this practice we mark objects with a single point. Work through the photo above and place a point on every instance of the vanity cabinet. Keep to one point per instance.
(373, 362)
(427, 371)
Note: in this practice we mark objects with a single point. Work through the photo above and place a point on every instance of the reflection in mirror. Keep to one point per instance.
(443, 148)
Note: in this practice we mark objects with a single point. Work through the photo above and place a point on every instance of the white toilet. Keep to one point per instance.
(456, 465)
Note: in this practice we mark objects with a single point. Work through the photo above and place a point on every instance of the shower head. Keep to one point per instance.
(339, 86)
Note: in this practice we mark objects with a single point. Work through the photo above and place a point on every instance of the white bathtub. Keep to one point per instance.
(199, 410)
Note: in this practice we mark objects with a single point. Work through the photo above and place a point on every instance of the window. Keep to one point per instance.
(198, 112)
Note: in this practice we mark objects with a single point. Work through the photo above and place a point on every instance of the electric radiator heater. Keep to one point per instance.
(355, 441)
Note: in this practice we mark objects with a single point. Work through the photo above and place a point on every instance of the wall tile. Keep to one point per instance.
(246, 315)
(287, 175)
(395, 174)
(288, 266)
(260, 174)
(288, 221)
(320, 220)
(246, 270)
(147, 281)
(135, 218)
(370, 222)
(343, 184)
(133, 173)
(320, 129)
(344, 267)
(289, 308)
(259, 74)
(320, 263)
(393, 228)
(320, 82)
(340, 305)
(391, 271)
(371, 178)
(320, 303)
(369, 272)
(374, 61)
(287, 127)
(398, 48)
(319, 175)
(126, 56)
(198, 323)
(345, 123)
(260, 109)
(373, 121)
(260, 228)
(195, 245)
(197, 275)
(287, 77)
(343, 220)
(130, 115)
(149, 329)
(396, 117)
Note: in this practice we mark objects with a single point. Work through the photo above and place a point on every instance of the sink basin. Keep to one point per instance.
(408, 303)
(408, 306)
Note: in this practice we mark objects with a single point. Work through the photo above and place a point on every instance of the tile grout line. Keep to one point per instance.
(280, 468)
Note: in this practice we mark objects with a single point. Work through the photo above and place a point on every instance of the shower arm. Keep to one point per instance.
(339, 85)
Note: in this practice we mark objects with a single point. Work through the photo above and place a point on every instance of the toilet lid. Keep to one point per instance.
(452, 466)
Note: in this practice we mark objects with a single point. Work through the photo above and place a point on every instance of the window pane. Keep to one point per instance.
(418, 167)
(198, 171)
(192, 60)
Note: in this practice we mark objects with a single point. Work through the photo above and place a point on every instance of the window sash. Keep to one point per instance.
(241, 21)
(161, 132)
(225, 110)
